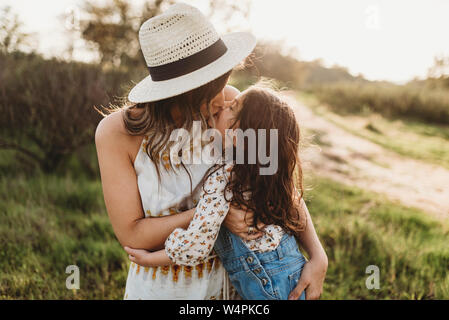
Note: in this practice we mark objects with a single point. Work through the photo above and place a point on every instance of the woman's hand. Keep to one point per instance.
(238, 221)
(146, 258)
(311, 280)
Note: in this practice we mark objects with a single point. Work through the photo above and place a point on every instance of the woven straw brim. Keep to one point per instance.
(239, 44)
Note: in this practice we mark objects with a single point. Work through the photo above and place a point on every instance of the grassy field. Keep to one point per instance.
(359, 229)
(48, 222)
(408, 137)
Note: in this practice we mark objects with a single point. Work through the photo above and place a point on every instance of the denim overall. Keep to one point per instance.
(260, 276)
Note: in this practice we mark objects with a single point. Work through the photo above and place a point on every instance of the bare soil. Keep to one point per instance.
(352, 160)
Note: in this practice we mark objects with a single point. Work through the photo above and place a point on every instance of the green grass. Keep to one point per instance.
(359, 228)
(411, 138)
(48, 222)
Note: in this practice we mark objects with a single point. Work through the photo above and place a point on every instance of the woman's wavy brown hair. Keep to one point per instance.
(274, 199)
(155, 118)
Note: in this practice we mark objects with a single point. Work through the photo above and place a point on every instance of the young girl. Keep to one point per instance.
(270, 266)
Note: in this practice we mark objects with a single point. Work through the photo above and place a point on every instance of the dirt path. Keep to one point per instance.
(356, 161)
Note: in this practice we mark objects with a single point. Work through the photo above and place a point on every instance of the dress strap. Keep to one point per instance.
(226, 286)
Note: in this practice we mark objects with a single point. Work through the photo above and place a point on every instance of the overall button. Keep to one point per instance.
(249, 259)
(258, 270)
(264, 281)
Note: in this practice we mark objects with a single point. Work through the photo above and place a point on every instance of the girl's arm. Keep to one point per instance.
(192, 246)
(314, 272)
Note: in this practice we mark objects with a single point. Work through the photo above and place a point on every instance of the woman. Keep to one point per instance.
(146, 196)
(270, 266)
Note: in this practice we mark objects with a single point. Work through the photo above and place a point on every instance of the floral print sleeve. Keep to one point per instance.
(193, 246)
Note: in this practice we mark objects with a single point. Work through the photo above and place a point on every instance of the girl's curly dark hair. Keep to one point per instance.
(274, 199)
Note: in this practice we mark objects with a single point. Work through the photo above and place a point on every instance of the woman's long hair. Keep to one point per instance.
(274, 199)
(155, 119)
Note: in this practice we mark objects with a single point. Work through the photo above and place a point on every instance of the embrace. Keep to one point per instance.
(230, 228)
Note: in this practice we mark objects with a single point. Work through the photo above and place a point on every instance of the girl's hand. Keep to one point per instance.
(238, 221)
(146, 258)
(311, 280)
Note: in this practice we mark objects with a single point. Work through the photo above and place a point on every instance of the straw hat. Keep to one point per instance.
(183, 52)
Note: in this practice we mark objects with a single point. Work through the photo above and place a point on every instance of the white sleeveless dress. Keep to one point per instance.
(170, 195)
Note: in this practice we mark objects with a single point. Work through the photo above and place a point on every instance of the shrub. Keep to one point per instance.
(428, 105)
(47, 106)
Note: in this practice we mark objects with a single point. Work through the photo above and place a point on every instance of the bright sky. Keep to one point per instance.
(392, 40)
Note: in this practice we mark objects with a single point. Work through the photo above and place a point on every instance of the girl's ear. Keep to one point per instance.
(230, 92)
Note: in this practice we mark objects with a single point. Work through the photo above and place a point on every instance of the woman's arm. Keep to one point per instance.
(192, 246)
(309, 239)
(121, 193)
(314, 272)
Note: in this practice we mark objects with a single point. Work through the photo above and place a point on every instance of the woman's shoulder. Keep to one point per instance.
(112, 130)
(112, 124)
